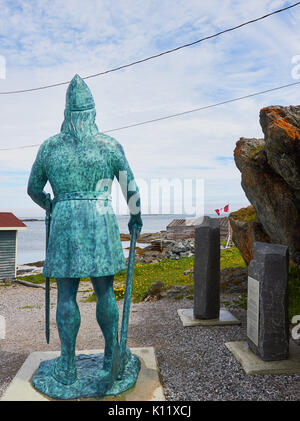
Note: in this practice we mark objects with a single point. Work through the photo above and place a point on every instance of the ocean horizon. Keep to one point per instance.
(31, 242)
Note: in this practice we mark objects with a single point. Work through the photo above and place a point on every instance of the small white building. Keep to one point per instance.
(9, 227)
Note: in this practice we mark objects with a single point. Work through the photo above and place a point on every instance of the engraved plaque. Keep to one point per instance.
(253, 310)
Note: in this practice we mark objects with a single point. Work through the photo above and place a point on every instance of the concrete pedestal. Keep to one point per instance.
(147, 387)
(252, 364)
(225, 318)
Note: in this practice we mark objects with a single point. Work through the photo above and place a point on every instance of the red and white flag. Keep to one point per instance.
(225, 209)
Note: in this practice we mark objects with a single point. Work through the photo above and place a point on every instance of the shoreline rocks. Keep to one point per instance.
(169, 250)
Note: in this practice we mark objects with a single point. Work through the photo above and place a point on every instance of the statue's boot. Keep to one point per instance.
(63, 375)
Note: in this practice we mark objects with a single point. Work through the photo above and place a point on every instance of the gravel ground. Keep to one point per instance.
(194, 363)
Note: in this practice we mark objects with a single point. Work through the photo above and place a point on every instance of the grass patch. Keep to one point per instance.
(241, 302)
(294, 292)
(40, 279)
(25, 307)
(119, 293)
(35, 279)
(169, 271)
(231, 257)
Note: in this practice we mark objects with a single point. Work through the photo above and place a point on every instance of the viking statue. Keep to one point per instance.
(80, 164)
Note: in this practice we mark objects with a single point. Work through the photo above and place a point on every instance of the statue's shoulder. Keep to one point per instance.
(110, 143)
(50, 142)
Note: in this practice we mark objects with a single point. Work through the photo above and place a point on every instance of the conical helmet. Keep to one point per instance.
(79, 96)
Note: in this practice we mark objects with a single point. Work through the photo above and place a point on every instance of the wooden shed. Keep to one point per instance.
(185, 228)
(9, 227)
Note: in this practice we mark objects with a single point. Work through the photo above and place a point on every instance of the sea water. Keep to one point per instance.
(31, 242)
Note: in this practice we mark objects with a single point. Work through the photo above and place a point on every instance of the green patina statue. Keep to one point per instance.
(84, 241)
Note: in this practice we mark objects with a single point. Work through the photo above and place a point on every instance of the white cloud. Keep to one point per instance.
(48, 42)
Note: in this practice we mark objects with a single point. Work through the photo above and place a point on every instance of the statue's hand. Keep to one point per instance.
(135, 221)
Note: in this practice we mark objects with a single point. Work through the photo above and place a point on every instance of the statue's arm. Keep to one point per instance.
(129, 189)
(37, 181)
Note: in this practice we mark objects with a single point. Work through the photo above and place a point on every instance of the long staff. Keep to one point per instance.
(47, 293)
(127, 300)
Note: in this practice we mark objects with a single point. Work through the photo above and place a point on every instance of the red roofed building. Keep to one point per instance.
(9, 227)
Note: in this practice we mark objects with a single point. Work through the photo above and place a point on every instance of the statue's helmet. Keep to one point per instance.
(79, 96)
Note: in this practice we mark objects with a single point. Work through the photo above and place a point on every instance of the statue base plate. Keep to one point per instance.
(225, 318)
(91, 379)
(147, 387)
(252, 364)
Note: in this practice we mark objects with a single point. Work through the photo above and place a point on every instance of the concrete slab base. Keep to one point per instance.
(147, 387)
(252, 364)
(225, 318)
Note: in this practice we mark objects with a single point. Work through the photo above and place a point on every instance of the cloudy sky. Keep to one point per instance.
(45, 42)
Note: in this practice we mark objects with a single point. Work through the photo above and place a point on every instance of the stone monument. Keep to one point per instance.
(267, 349)
(207, 279)
(267, 310)
(207, 270)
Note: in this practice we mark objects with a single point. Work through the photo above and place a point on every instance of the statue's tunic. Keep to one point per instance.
(84, 235)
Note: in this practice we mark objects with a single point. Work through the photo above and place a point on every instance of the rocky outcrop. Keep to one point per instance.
(158, 291)
(270, 169)
(246, 229)
(181, 248)
(170, 250)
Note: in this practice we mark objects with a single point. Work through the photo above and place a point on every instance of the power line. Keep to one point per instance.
(157, 55)
(177, 114)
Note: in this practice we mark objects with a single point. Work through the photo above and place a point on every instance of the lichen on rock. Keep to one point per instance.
(270, 170)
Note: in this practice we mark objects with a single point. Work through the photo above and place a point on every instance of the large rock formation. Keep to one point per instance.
(270, 169)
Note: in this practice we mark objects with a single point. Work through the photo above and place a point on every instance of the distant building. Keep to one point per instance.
(185, 228)
(9, 227)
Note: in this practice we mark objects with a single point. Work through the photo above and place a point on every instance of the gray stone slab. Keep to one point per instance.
(267, 313)
(225, 318)
(207, 269)
(252, 364)
(147, 387)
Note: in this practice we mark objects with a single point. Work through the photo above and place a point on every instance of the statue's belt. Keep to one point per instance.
(82, 195)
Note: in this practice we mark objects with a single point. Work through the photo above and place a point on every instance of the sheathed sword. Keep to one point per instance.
(127, 301)
(47, 289)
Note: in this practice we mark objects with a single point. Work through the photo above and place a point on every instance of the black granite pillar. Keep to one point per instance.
(207, 270)
(267, 313)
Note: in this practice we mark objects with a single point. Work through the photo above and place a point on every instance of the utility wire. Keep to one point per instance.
(177, 114)
(157, 55)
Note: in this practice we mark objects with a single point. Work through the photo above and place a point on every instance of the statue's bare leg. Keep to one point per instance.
(68, 322)
(107, 314)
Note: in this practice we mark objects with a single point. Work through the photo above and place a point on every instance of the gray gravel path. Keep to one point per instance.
(194, 363)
